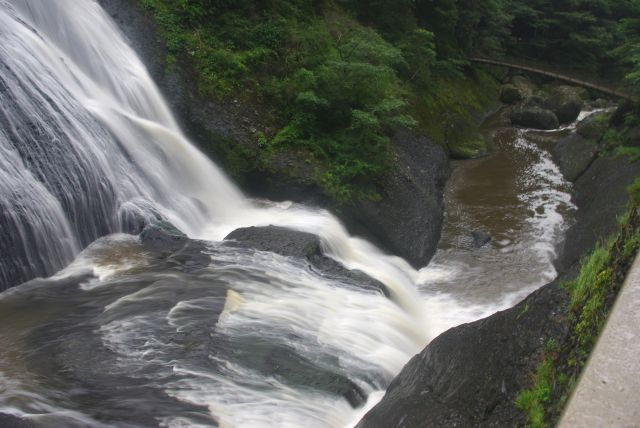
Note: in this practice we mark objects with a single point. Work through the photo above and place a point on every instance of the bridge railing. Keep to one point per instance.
(607, 86)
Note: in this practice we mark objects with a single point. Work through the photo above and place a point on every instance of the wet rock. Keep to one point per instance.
(594, 126)
(534, 101)
(524, 85)
(11, 421)
(276, 239)
(407, 220)
(600, 103)
(631, 137)
(510, 94)
(480, 238)
(573, 154)
(565, 103)
(534, 117)
(619, 115)
(283, 363)
(304, 245)
(174, 247)
(470, 375)
(162, 237)
(601, 196)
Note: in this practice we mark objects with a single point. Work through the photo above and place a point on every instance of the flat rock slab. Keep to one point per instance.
(293, 243)
(608, 393)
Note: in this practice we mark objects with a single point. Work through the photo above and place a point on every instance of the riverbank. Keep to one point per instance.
(518, 366)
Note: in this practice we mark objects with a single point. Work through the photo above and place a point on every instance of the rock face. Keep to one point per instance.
(470, 375)
(407, 221)
(534, 117)
(573, 155)
(163, 237)
(601, 195)
(565, 103)
(408, 218)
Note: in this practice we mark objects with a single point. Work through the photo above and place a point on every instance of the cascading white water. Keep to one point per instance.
(89, 148)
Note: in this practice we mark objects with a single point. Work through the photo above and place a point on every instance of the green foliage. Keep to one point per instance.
(391, 18)
(629, 50)
(634, 192)
(335, 78)
(592, 266)
(632, 153)
(532, 401)
(582, 34)
(335, 87)
(445, 111)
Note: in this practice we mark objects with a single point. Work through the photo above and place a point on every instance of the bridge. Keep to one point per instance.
(605, 88)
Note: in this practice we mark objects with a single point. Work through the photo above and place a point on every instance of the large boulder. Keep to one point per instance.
(594, 126)
(510, 94)
(276, 239)
(407, 219)
(565, 103)
(524, 85)
(293, 243)
(534, 117)
(480, 238)
(470, 375)
(573, 154)
(534, 101)
(162, 237)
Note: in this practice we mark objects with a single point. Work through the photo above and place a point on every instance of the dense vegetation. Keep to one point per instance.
(333, 79)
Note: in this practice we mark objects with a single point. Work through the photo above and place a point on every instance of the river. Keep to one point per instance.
(115, 336)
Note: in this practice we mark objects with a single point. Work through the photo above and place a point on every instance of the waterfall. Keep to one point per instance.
(90, 148)
(100, 152)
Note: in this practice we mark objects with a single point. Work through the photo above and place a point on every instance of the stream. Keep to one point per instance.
(110, 334)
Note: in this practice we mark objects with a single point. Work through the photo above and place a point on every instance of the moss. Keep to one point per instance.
(633, 153)
(468, 147)
(532, 401)
(449, 111)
